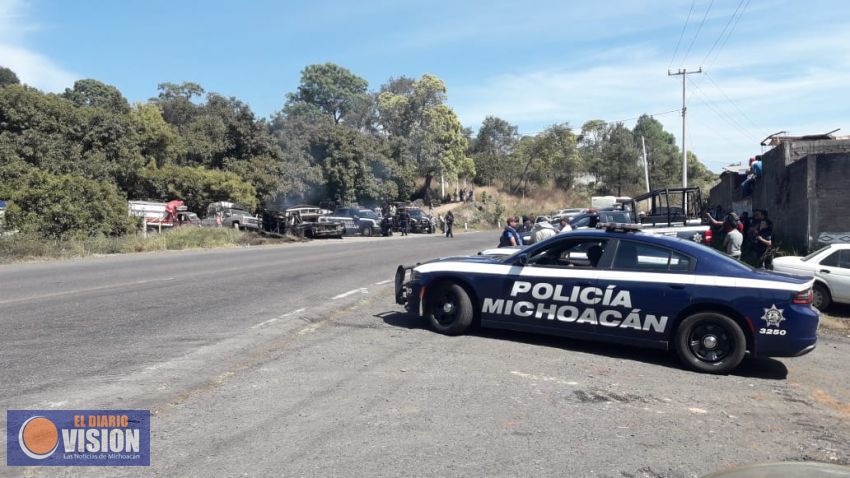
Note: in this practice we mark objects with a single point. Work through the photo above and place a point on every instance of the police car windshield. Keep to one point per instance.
(365, 213)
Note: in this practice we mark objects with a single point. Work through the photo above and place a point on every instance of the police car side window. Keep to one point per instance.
(680, 263)
(581, 253)
(632, 256)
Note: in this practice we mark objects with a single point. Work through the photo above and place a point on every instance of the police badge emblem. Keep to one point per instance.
(773, 316)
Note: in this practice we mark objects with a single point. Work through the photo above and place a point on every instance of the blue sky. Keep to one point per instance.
(785, 66)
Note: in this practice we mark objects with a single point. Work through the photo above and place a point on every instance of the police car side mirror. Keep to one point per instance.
(522, 259)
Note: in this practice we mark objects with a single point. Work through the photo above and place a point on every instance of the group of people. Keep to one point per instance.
(749, 239)
(512, 234)
(464, 195)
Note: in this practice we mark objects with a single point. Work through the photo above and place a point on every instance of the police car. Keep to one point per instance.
(623, 286)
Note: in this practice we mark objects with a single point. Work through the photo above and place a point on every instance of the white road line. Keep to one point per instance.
(361, 290)
(264, 323)
(82, 291)
(297, 311)
(271, 321)
(383, 282)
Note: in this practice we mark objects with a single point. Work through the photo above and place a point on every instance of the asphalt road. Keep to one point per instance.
(295, 361)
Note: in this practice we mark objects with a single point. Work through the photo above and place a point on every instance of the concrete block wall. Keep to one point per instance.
(832, 219)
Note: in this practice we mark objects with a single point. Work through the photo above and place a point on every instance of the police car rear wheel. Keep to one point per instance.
(710, 342)
(450, 309)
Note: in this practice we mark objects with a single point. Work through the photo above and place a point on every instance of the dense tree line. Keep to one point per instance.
(69, 161)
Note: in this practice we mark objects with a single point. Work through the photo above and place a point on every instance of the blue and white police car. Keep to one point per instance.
(623, 286)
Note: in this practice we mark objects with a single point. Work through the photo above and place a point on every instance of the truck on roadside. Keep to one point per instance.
(302, 220)
(229, 214)
(675, 212)
(163, 215)
(357, 220)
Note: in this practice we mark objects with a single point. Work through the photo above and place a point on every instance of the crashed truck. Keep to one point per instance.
(676, 212)
(302, 220)
(163, 215)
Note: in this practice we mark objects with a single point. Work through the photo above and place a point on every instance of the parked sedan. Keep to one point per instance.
(829, 266)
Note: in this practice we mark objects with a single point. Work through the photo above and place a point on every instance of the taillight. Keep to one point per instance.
(709, 235)
(805, 297)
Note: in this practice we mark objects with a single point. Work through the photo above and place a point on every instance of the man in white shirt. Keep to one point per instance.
(732, 242)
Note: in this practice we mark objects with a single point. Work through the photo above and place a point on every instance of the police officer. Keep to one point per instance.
(404, 219)
(450, 220)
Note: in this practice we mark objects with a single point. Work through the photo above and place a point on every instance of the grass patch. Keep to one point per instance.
(19, 247)
(493, 204)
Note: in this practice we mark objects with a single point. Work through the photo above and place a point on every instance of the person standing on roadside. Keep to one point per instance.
(404, 222)
(510, 237)
(450, 220)
(763, 245)
(733, 240)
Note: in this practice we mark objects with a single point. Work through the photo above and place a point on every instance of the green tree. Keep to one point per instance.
(94, 94)
(553, 156)
(493, 151)
(328, 89)
(158, 141)
(619, 168)
(416, 116)
(8, 77)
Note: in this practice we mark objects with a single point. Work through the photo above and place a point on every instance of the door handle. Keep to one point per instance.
(676, 286)
(824, 271)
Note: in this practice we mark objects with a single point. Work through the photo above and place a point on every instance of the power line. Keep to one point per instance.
(729, 35)
(697, 33)
(726, 27)
(735, 104)
(675, 52)
(730, 120)
(737, 127)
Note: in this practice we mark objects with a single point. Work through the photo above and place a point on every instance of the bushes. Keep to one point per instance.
(54, 206)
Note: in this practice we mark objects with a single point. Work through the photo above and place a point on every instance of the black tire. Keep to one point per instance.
(710, 342)
(366, 231)
(236, 226)
(821, 297)
(449, 309)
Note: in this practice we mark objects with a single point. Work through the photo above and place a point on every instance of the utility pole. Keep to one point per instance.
(684, 73)
(645, 162)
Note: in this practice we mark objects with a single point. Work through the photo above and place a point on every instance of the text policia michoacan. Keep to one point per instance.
(594, 306)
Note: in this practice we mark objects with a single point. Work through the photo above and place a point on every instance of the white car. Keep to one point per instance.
(830, 266)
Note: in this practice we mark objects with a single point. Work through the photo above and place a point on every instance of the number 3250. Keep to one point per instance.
(772, 331)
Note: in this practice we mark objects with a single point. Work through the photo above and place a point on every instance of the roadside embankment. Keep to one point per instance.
(21, 248)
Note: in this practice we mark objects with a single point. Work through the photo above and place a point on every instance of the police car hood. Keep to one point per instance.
(471, 259)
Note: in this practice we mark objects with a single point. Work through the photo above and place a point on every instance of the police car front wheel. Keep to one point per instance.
(710, 342)
(449, 309)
